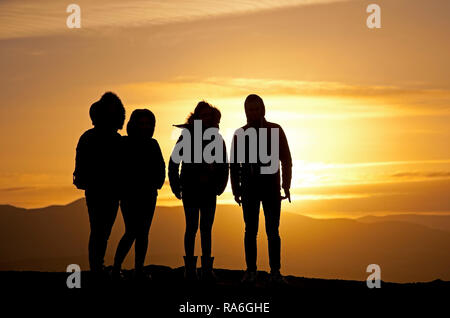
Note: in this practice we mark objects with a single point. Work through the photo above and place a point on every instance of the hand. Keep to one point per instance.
(287, 195)
(238, 200)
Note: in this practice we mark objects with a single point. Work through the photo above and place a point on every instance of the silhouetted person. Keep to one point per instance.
(251, 188)
(198, 185)
(97, 167)
(143, 173)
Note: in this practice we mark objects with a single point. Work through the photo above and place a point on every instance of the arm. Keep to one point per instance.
(174, 175)
(223, 171)
(235, 172)
(286, 164)
(161, 166)
(81, 162)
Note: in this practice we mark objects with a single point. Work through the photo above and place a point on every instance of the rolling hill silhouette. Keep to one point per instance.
(48, 239)
(440, 222)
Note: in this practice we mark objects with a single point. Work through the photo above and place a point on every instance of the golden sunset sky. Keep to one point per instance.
(366, 111)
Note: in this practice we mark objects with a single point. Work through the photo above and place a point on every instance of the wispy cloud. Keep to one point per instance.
(20, 18)
(311, 99)
(15, 189)
(236, 86)
(422, 174)
(323, 88)
(323, 166)
(400, 197)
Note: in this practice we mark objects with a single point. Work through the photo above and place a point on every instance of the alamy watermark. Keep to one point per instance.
(374, 279)
(74, 279)
(373, 20)
(74, 19)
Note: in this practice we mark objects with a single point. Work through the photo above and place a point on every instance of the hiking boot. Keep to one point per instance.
(249, 277)
(190, 268)
(116, 275)
(207, 273)
(277, 279)
(142, 276)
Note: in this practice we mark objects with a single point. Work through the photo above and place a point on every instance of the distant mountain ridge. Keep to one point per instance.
(440, 222)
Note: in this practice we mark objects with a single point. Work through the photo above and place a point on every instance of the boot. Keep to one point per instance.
(207, 269)
(249, 277)
(190, 268)
(141, 276)
(116, 274)
(276, 278)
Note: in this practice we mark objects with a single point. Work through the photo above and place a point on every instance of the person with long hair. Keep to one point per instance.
(198, 185)
(143, 173)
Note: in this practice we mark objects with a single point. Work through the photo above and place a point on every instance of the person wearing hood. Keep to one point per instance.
(251, 187)
(96, 165)
(198, 184)
(143, 173)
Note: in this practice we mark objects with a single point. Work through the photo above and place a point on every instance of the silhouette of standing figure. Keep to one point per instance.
(198, 185)
(96, 171)
(143, 174)
(251, 188)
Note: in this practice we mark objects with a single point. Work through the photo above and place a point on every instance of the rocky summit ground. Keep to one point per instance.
(169, 294)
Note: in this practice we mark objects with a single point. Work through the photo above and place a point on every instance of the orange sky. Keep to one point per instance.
(366, 112)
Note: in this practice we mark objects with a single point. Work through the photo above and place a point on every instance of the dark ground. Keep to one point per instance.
(167, 292)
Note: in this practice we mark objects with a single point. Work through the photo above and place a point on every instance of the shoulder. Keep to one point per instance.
(86, 136)
(154, 143)
(276, 126)
(269, 124)
(88, 133)
(240, 129)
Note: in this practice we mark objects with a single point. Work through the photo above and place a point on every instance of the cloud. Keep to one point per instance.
(15, 189)
(312, 99)
(407, 196)
(237, 86)
(22, 18)
(322, 166)
(293, 87)
(422, 174)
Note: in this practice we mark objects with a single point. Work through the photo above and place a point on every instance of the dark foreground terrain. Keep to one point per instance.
(168, 294)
